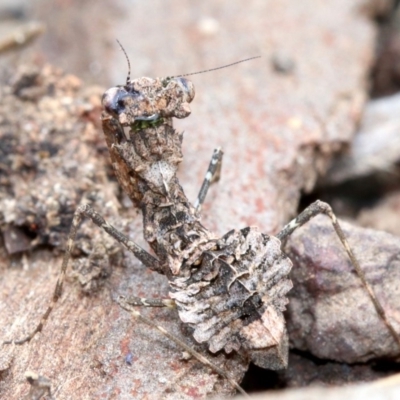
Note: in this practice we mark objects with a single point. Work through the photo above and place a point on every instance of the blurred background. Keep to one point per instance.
(80, 36)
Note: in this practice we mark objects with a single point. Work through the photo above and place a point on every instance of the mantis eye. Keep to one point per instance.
(114, 99)
(187, 88)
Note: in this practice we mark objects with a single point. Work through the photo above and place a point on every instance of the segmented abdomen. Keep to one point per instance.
(234, 298)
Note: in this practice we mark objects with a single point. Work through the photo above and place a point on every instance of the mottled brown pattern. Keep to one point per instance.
(231, 291)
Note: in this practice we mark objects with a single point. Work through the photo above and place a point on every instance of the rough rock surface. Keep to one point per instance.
(384, 215)
(375, 149)
(330, 313)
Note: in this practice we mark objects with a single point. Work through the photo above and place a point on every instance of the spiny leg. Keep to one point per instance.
(143, 302)
(320, 207)
(124, 303)
(86, 211)
(212, 175)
